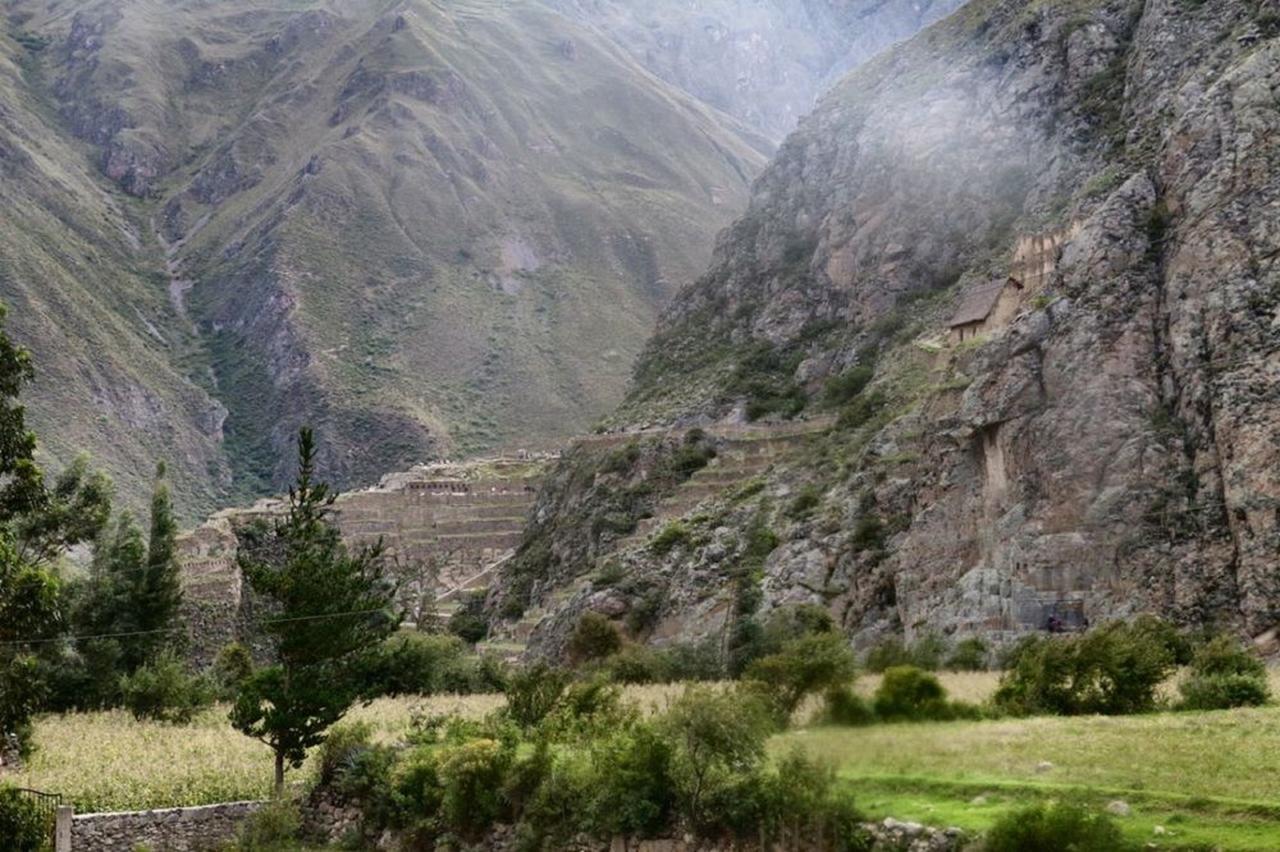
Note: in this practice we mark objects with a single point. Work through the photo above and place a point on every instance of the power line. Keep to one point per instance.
(130, 633)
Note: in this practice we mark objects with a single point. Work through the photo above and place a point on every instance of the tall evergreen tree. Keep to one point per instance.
(331, 610)
(35, 526)
(160, 595)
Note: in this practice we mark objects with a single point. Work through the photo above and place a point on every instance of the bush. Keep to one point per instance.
(843, 706)
(233, 667)
(468, 626)
(471, 778)
(1223, 655)
(166, 691)
(595, 638)
(887, 654)
(803, 666)
(907, 693)
(715, 736)
(21, 825)
(1115, 669)
(1223, 691)
(532, 693)
(339, 749)
(969, 655)
(1056, 827)
(636, 664)
(411, 663)
(634, 796)
(1224, 675)
(275, 826)
(847, 385)
(672, 535)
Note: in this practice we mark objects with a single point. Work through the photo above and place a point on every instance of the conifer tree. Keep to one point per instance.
(331, 610)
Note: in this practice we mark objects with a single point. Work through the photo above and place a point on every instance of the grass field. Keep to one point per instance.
(1192, 780)
(109, 761)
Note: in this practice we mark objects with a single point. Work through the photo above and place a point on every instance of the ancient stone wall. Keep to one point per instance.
(171, 829)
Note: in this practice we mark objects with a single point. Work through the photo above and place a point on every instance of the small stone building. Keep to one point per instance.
(985, 308)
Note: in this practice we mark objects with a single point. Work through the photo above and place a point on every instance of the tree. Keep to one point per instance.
(159, 594)
(332, 609)
(35, 525)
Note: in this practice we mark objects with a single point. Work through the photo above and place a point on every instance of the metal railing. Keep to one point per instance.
(45, 804)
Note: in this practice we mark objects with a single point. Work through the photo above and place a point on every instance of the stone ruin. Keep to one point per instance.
(444, 527)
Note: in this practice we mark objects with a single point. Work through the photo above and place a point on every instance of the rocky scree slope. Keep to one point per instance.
(1112, 449)
(426, 229)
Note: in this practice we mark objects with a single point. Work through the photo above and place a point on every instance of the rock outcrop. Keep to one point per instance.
(1110, 446)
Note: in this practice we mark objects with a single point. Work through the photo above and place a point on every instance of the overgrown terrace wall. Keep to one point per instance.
(440, 532)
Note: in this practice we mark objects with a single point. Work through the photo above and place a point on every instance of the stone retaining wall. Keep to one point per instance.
(172, 829)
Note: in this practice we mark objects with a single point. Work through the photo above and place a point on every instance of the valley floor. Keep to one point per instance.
(1186, 779)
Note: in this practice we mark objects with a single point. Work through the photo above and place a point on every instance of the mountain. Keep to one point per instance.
(1017, 279)
(428, 228)
(764, 62)
(83, 291)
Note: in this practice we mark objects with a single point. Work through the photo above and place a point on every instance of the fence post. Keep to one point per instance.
(62, 828)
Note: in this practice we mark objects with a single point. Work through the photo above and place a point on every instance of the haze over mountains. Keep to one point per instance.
(427, 228)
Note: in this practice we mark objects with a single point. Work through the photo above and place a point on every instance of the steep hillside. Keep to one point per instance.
(762, 62)
(1028, 261)
(427, 228)
(83, 292)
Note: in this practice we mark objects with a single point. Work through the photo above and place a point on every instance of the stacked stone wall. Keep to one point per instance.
(199, 829)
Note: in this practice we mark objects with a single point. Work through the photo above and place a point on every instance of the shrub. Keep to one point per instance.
(471, 778)
(693, 455)
(907, 693)
(803, 666)
(843, 706)
(636, 664)
(928, 652)
(1223, 691)
(693, 661)
(410, 663)
(468, 626)
(803, 504)
(532, 693)
(273, 827)
(1115, 669)
(969, 655)
(887, 654)
(339, 749)
(595, 638)
(232, 667)
(1223, 655)
(1056, 827)
(673, 535)
(21, 825)
(847, 385)
(166, 691)
(634, 795)
(714, 735)
(1224, 675)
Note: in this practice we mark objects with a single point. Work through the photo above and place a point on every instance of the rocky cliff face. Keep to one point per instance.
(1109, 448)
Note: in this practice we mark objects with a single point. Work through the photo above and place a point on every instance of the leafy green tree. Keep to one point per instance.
(332, 609)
